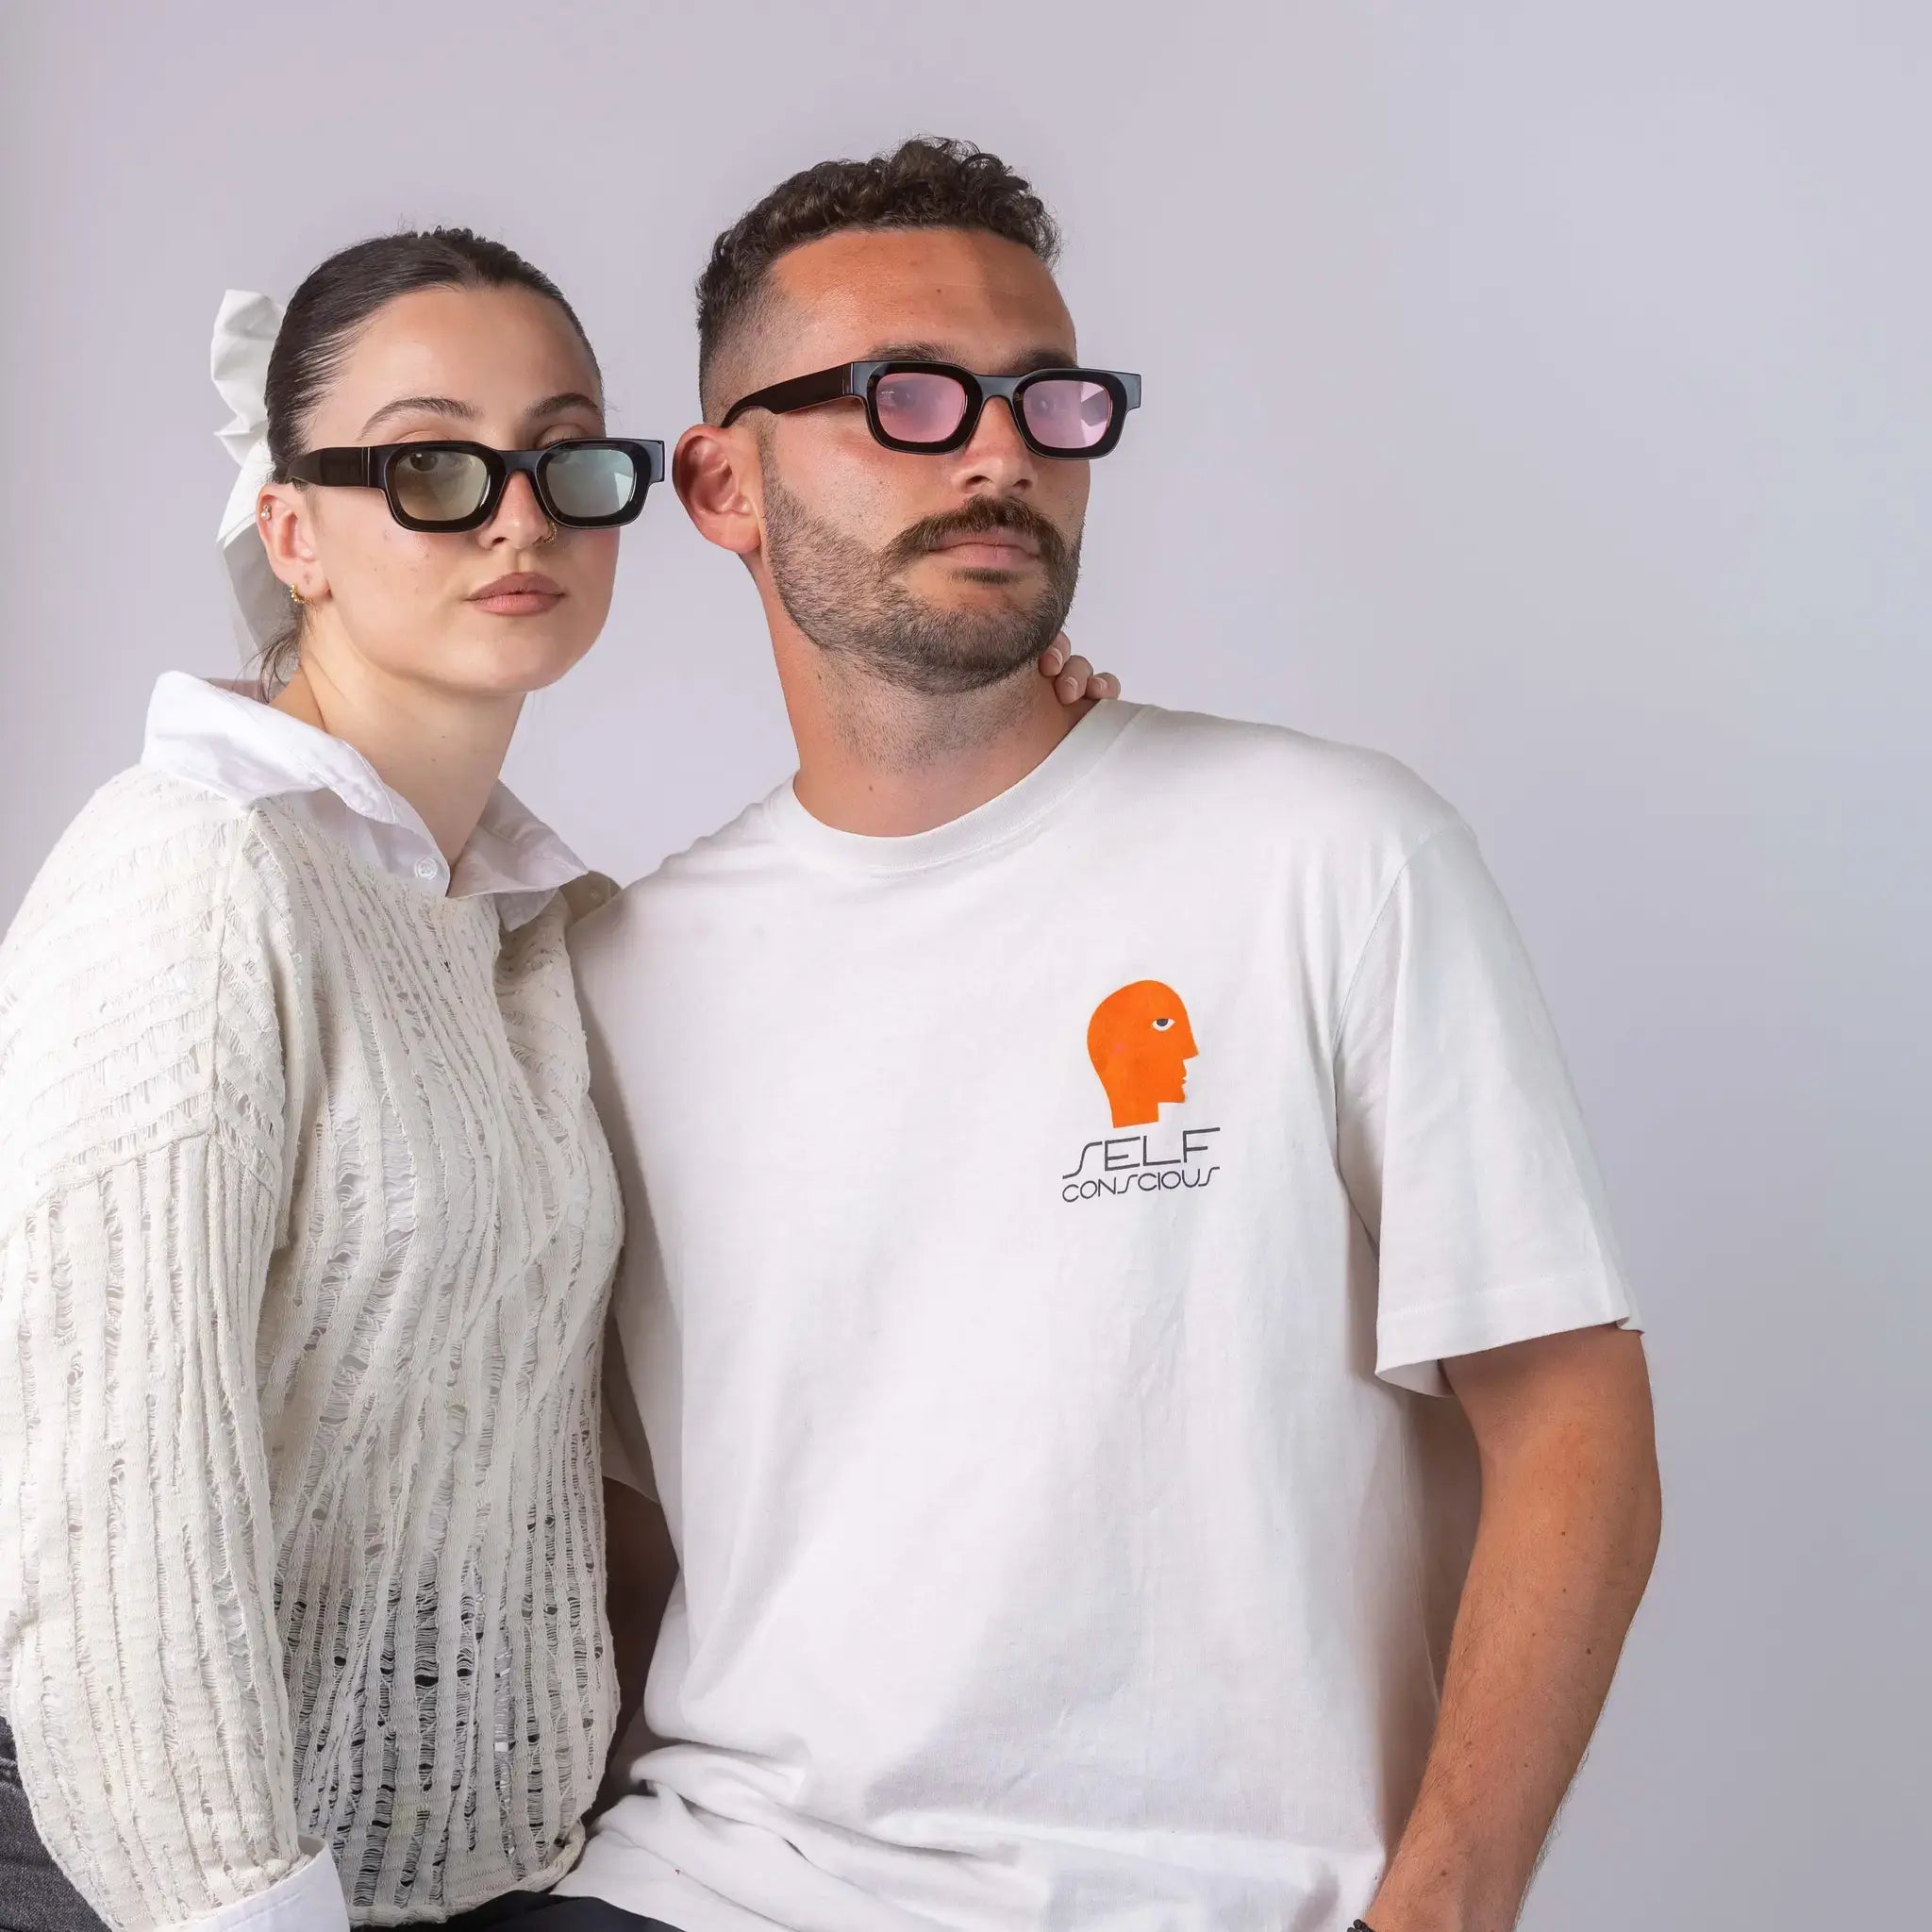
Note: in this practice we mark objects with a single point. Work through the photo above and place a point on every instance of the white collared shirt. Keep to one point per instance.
(224, 737)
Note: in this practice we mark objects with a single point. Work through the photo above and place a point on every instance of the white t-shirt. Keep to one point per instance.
(1042, 1229)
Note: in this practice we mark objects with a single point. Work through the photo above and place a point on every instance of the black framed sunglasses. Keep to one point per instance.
(583, 483)
(929, 408)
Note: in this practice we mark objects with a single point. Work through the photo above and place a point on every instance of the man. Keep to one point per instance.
(1067, 1159)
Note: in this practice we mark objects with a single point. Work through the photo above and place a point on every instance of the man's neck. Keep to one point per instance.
(876, 759)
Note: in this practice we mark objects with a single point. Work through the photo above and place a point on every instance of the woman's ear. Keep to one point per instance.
(281, 518)
(715, 472)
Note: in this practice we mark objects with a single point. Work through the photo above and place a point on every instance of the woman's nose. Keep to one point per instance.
(520, 519)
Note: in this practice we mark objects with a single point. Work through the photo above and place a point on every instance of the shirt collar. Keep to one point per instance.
(224, 737)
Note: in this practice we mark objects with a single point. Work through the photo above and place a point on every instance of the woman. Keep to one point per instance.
(306, 1223)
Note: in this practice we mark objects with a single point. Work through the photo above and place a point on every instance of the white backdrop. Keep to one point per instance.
(1537, 392)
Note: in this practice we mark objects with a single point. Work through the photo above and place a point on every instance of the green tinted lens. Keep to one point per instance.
(588, 485)
(439, 486)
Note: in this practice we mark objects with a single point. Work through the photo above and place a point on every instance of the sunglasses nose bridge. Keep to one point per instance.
(520, 501)
(980, 412)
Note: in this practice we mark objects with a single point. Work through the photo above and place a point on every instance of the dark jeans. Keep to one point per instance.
(537, 1911)
(35, 1895)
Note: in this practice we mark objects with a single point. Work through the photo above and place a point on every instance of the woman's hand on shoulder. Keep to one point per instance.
(1075, 681)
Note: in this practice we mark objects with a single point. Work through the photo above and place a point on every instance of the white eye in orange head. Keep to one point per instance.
(1141, 1075)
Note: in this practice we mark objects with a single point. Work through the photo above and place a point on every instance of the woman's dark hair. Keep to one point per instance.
(328, 310)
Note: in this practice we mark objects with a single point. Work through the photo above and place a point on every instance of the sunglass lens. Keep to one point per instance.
(1067, 412)
(439, 486)
(916, 406)
(590, 485)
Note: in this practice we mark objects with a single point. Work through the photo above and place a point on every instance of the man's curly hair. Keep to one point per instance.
(927, 182)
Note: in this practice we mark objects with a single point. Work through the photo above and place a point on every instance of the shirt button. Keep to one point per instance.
(427, 869)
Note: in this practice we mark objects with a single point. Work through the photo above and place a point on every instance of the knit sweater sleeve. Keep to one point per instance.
(142, 990)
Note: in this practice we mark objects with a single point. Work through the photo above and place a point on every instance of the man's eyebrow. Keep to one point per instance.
(1024, 364)
(909, 352)
(1030, 360)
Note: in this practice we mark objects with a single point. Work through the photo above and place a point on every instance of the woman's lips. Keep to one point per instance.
(523, 594)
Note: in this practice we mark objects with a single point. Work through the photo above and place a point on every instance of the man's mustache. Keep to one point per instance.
(977, 518)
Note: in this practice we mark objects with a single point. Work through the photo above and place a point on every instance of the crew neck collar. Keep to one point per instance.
(999, 820)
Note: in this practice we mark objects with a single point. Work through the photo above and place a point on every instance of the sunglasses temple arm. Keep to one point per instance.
(801, 392)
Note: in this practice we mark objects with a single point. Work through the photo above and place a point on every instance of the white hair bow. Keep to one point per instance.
(245, 329)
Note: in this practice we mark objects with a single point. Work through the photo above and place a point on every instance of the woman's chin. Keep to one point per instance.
(515, 657)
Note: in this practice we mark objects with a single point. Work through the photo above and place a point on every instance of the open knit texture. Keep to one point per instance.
(306, 1232)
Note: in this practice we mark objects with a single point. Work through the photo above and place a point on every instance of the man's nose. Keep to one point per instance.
(998, 456)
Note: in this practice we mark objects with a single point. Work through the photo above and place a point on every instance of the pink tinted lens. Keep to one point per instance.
(917, 406)
(1064, 413)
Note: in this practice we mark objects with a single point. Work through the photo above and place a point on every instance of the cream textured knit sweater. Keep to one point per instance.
(306, 1229)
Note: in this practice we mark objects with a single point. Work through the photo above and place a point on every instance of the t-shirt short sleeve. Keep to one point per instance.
(1459, 1133)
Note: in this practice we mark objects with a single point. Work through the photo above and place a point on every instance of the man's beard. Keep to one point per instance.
(851, 603)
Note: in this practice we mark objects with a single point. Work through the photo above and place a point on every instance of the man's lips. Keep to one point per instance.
(524, 593)
(1007, 547)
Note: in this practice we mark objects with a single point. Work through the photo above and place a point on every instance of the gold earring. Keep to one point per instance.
(295, 596)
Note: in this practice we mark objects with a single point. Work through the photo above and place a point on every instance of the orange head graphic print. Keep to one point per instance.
(1141, 1042)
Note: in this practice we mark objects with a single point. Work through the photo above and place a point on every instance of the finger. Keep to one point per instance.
(1053, 659)
(1068, 689)
(1104, 684)
(1077, 668)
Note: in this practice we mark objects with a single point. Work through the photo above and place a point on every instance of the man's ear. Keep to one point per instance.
(716, 476)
